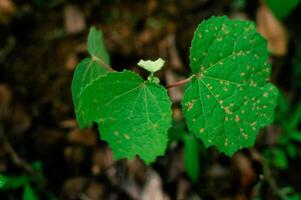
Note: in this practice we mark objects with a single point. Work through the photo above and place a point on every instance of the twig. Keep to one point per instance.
(17, 160)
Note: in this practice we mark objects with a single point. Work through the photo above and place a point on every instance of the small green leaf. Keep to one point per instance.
(291, 150)
(191, 157)
(282, 108)
(29, 193)
(280, 159)
(295, 117)
(296, 136)
(3, 181)
(133, 115)
(229, 98)
(96, 46)
(151, 66)
(281, 8)
(12, 182)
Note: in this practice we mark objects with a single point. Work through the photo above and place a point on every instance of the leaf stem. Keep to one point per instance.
(103, 63)
(179, 83)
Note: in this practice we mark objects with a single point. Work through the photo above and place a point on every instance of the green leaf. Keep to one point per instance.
(29, 193)
(96, 46)
(239, 4)
(3, 181)
(282, 9)
(280, 159)
(283, 108)
(86, 71)
(296, 136)
(191, 157)
(90, 68)
(295, 117)
(291, 150)
(133, 115)
(290, 193)
(39, 177)
(228, 99)
(12, 182)
(151, 66)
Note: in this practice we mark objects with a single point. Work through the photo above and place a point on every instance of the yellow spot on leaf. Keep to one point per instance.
(245, 136)
(227, 109)
(190, 104)
(226, 142)
(265, 94)
(126, 136)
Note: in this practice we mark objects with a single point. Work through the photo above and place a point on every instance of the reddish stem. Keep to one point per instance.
(103, 63)
(179, 83)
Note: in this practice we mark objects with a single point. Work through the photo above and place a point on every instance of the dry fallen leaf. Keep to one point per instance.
(273, 30)
(174, 60)
(7, 9)
(153, 187)
(74, 20)
(86, 137)
(5, 101)
(71, 61)
(15, 115)
(244, 166)
(102, 159)
(152, 5)
(72, 188)
(20, 119)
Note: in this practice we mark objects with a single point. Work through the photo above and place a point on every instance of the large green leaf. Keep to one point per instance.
(96, 46)
(133, 115)
(229, 98)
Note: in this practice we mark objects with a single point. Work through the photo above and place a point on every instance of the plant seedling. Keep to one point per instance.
(227, 98)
